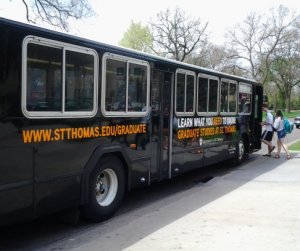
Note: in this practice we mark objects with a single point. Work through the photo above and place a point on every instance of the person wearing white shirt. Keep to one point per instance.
(279, 126)
(267, 135)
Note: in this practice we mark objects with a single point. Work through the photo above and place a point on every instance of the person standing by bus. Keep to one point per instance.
(267, 135)
(279, 126)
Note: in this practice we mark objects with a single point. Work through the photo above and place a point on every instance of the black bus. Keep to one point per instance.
(81, 122)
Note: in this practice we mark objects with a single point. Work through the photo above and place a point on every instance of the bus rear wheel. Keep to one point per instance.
(106, 190)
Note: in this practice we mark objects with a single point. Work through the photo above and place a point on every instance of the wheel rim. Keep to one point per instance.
(106, 187)
(241, 149)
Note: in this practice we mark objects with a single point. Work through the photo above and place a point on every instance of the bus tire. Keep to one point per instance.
(239, 158)
(106, 189)
(241, 152)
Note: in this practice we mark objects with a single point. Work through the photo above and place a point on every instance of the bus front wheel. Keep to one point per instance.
(106, 190)
(241, 152)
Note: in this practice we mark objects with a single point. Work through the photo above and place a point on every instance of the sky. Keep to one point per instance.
(114, 16)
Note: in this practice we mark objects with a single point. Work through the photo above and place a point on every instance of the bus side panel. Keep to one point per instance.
(140, 173)
(216, 154)
(16, 205)
(2, 73)
(16, 160)
(16, 165)
(57, 194)
(16, 184)
(184, 162)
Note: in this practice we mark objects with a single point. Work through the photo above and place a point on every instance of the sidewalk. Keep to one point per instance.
(256, 207)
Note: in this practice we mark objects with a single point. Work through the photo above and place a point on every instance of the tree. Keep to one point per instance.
(57, 12)
(137, 37)
(258, 37)
(176, 35)
(285, 72)
(215, 57)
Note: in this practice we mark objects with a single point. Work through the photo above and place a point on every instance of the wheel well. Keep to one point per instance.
(99, 154)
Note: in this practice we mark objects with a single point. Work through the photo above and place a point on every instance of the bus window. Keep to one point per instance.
(224, 97)
(137, 86)
(213, 95)
(116, 76)
(232, 97)
(202, 94)
(245, 92)
(43, 91)
(208, 93)
(180, 92)
(58, 79)
(79, 86)
(190, 93)
(126, 86)
(184, 92)
(228, 97)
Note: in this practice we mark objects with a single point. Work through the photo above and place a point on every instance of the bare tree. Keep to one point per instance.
(285, 71)
(57, 12)
(258, 37)
(176, 35)
(215, 57)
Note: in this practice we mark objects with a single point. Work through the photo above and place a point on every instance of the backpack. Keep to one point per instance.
(288, 127)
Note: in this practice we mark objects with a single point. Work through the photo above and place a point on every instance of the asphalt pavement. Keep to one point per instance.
(255, 207)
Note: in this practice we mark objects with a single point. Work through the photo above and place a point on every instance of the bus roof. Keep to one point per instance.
(125, 50)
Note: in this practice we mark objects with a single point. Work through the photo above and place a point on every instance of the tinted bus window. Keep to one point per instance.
(126, 86)
(228, 96)
(180, 92)
(184, 92)
(190, 93)
(202, 94)
(58, 79)
(44, 78)
(245, 93)
(79, 85)
(232, 97)
(213, 95)
(224, 97)
(208, 94)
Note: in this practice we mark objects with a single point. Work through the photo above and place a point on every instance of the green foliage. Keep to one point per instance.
(295, 104)
(287, 115)
(137, 37)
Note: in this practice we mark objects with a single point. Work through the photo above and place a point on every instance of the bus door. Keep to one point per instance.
(162, 109)
(256, 118)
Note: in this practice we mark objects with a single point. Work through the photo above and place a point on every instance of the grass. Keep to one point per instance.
(295, 146)
(287, 115)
